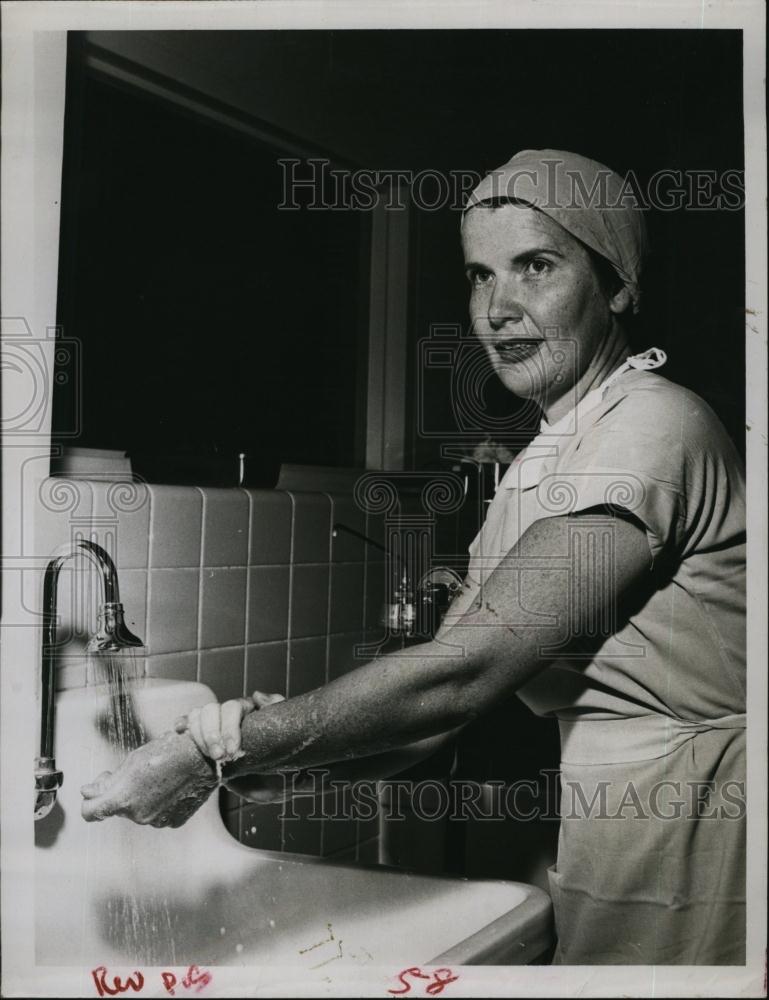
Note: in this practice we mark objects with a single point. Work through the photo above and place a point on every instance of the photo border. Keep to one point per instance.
(32, 114)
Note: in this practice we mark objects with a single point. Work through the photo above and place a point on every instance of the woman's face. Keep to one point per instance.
(536, 302)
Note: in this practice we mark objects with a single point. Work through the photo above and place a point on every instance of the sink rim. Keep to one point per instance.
(515, 938)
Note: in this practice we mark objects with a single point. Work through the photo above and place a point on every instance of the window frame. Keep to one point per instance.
(381, 396)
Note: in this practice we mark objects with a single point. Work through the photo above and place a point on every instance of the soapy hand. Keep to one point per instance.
(215, 728)
(161, 784)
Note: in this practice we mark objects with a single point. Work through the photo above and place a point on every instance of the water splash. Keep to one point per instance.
(227, 759)
(137, 919)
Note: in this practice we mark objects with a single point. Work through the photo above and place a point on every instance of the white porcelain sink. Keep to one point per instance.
(114, 892)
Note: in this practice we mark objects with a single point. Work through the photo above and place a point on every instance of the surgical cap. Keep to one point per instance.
(585, 197)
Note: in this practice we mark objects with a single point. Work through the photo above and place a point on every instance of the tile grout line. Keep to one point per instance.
(246, 624)
(327, 657)
(199, 630)
(288, 630)
(244, 565)
(247, 615)
(267, 642)
(290, 595)
(329, 593)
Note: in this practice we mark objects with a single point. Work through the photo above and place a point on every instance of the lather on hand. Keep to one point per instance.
(215, 727)
(167, 780)
(161, 784)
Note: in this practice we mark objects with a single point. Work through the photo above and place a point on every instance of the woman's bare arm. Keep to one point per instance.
(527, 606)
(265, 788)
(538, 598)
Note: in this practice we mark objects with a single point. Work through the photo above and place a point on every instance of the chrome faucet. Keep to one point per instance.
(111, 635)
(416, 612)
(412, 611)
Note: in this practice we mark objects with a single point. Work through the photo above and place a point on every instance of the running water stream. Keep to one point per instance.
(120, 724)
(139, 916)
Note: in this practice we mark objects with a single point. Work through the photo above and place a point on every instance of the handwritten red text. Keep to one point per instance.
(109, 985)
(197, 978)
(134, 982)
(437, 981)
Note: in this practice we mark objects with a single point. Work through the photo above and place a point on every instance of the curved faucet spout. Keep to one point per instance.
(111, 635)
(103, 562)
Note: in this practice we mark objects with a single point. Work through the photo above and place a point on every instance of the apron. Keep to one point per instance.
(651, 851)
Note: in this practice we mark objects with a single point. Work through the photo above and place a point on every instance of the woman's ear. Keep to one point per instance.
(620, 301)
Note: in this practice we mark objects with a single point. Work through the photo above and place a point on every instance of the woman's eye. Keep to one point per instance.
(538, 266)
(479, 278)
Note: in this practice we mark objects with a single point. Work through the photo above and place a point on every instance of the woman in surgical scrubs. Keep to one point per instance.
(606, 588)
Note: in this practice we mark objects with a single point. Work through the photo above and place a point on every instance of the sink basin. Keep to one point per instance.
(114, 892)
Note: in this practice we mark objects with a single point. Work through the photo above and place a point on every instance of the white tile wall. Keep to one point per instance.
(226, 517)
(175, 528)
(309, 601)
(174, 666)
(268, 603)
(312, 528)
(173, 610)
(223, 671)
(222, 607)
(120, 521)
(346, 604)
(240, 589)
(266, 668)
(271, 516)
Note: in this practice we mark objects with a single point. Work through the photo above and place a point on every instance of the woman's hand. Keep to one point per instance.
(161, 784)
(215, 728)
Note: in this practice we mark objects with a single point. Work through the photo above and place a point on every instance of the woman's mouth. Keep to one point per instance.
(514, 351)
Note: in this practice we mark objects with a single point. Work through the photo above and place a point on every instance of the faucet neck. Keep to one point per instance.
(112, 633)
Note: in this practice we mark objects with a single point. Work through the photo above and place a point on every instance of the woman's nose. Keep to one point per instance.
(504, 307)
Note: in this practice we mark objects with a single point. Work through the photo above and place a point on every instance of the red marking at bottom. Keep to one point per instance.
(439, 980)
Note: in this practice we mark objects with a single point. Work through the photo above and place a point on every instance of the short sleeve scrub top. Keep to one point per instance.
(650, 865)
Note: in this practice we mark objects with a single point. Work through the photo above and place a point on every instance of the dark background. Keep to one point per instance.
(213, 323)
